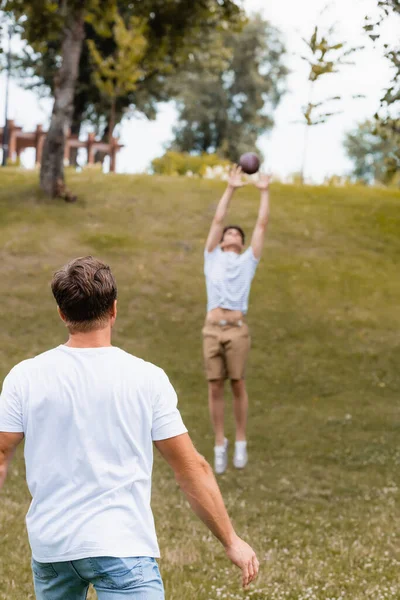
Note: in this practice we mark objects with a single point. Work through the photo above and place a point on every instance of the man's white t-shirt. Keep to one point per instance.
(89, 416)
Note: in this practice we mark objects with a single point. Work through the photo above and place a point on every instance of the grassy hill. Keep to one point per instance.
(319, 500)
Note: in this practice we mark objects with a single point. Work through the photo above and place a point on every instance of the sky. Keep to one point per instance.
(283, 147)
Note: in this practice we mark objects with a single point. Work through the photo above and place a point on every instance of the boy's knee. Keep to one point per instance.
(238, 386)
(216, 388)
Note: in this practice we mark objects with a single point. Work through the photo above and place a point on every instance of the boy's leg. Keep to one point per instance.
(237, 347)
(240, 407)
(216, 403)
(214, 362)
(216, 407)
(58, 581)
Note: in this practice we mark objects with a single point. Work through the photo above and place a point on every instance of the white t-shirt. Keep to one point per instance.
(89, 416)
(228, 278)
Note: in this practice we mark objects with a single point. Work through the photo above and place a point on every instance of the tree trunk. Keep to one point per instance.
(76, 124)
(111, 124)
(114, 118)
(52, 168)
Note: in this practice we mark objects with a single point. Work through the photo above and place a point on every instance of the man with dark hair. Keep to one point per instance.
(89, 413)
(226, 340)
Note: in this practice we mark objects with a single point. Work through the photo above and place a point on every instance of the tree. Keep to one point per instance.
(117, 74)
(226, 105)
(324, 56)
(36, 71)
(53, 20)
(373, 154)
(389, 9)
(175, 26)
(169, 44)
(387, 118)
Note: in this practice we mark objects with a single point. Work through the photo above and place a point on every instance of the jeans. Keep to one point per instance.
(135, 578)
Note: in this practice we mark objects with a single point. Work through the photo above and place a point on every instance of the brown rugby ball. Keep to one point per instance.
(249, 162)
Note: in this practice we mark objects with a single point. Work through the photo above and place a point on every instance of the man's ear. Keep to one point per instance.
(114, 310)
(61, 315)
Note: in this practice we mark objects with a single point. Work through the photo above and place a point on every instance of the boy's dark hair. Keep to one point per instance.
(85, 291)
(239, 229)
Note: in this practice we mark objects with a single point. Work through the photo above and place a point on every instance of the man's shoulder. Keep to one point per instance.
(50, 361)
(141, 364)
(55, 354)
(29, 364)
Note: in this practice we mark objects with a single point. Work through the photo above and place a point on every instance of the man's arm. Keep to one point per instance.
(196, 479)
(217, 225)
(257, 240)
(8, 444)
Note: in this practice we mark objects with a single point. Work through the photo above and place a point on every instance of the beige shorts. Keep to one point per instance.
(225, 350)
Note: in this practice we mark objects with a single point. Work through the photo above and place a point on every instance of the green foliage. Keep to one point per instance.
(389, 9)
(175, 29)
(374, 152)
(387, 119)
(117, 75)
(324, 56)
(182, 163)
(224, 108)
(339, 181)
(41, 19)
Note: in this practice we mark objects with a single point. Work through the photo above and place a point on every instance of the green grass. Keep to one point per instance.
(320, 498)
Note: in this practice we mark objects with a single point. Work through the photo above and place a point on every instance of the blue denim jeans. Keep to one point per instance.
(135, 578)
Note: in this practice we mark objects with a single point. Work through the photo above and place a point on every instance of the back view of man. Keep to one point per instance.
(89, 413)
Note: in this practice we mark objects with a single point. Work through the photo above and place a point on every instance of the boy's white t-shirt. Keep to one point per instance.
(228, 278)
(89, 416)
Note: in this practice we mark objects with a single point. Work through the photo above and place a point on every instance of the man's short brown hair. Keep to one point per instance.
(85, 291)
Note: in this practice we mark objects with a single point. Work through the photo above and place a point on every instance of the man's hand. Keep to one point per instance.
(263, 182)
(235, 177)
(196, 479)
(244, 557)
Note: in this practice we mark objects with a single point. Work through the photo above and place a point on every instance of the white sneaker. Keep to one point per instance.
(221, 458)
(240, 458)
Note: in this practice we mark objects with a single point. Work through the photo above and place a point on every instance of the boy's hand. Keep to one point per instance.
(235, 178)
(263, 182)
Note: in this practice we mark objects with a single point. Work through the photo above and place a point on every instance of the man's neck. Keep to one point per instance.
(93, 339)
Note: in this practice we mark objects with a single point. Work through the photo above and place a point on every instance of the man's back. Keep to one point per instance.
(90, 416)
(89, 413)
